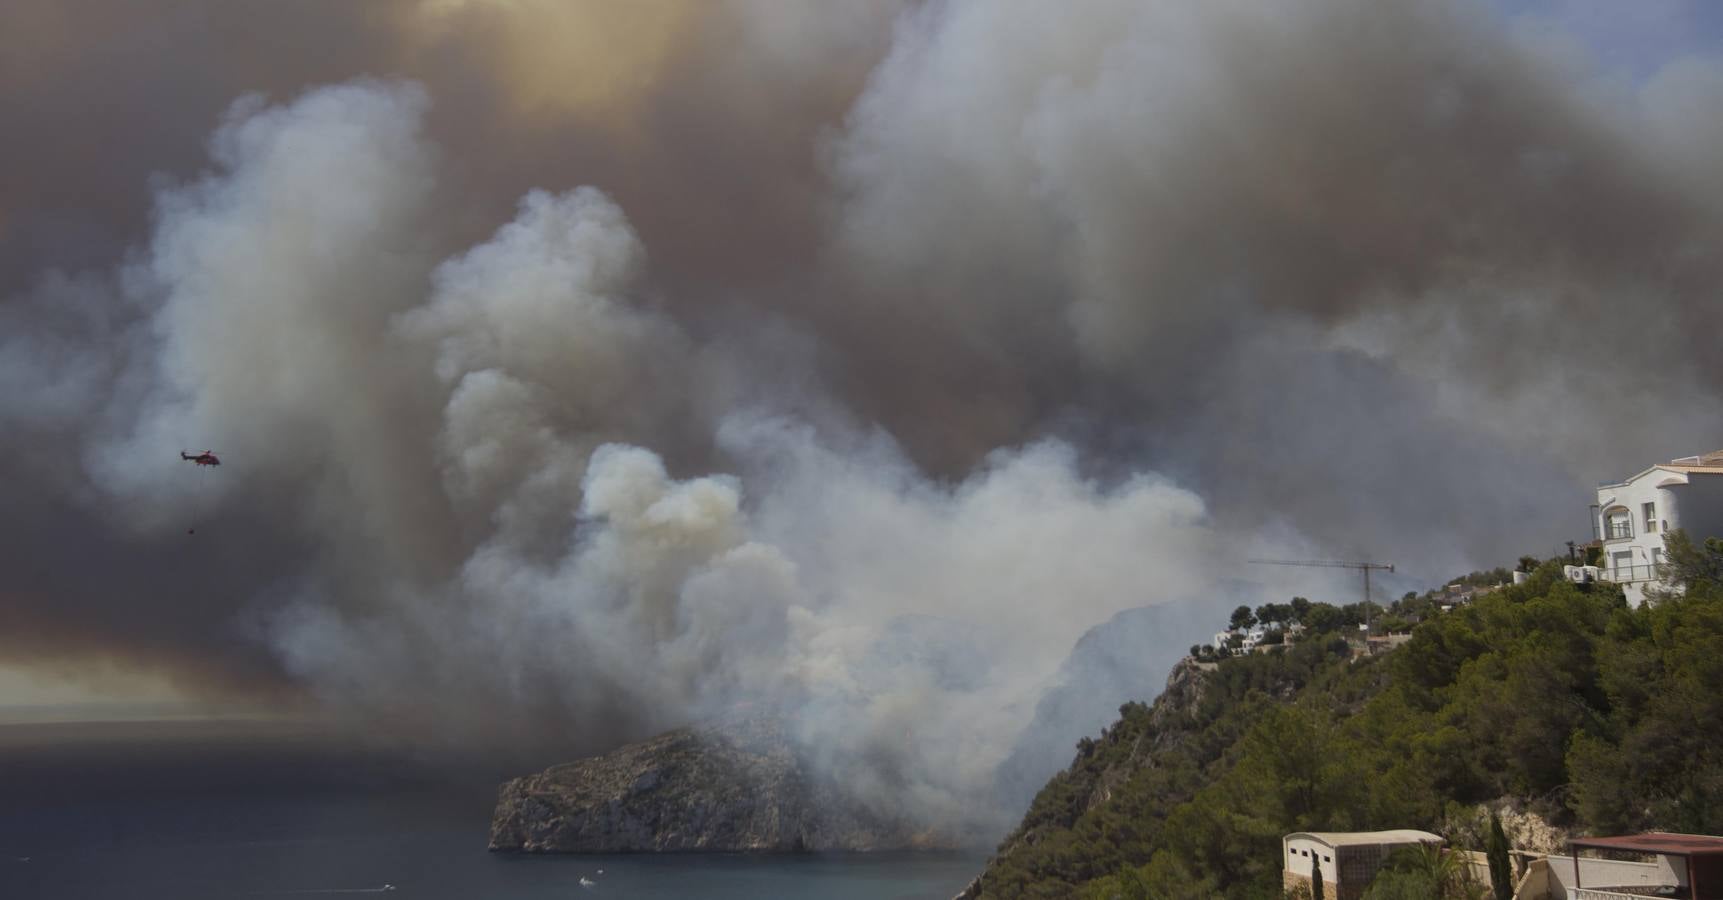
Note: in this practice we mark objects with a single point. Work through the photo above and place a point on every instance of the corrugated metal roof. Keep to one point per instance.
(1655, 842)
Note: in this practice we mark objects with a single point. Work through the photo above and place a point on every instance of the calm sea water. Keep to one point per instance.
(109, 813)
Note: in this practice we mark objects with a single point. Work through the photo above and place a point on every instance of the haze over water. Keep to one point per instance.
(187, 811)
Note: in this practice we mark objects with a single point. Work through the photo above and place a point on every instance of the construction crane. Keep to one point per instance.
(1365, 567)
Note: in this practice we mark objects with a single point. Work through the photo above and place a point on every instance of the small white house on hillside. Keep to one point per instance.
(1253, 637)
(1633, 516)
(1248, 637)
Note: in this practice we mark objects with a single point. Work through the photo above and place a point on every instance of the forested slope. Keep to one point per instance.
(1553, 695)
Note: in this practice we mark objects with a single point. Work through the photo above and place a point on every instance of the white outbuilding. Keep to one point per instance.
(1348, 859)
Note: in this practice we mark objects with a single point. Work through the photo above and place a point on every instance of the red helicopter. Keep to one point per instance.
(206, 458)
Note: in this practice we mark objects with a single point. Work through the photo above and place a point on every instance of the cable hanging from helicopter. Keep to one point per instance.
(206, 458)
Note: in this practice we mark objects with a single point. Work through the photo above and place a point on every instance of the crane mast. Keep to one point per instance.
(1364, 567)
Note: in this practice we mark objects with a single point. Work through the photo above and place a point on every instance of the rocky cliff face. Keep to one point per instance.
(1125, 658)
(1088, 783)
(736, 787)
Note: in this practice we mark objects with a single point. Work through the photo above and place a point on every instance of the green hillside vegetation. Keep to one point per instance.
(1600, 718)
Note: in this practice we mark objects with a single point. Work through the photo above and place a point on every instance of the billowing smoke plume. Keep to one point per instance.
(567, 396)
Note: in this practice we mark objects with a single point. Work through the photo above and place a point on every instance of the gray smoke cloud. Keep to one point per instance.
(565, 397)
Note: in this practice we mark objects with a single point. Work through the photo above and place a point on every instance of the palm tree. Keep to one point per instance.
(1440, 874)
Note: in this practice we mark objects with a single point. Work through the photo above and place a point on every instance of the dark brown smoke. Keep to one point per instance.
(584, 368)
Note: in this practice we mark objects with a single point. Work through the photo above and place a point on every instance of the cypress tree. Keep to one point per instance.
(1315, 877)
(1501, 870)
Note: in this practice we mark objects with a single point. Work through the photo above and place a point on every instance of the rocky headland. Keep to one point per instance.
(737, 786)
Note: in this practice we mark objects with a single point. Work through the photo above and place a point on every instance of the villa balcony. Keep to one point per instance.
(1629, 574)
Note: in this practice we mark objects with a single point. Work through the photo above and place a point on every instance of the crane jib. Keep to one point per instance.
(1364, 567)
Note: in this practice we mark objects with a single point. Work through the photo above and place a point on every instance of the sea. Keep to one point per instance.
(168, 810)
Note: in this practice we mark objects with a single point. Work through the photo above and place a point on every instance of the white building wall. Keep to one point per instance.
(1304, 854)
(1597, 873)
(1693, 501)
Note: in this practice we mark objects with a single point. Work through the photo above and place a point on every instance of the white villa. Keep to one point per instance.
(1633, 516)
(1255, 636)
(1252, 636)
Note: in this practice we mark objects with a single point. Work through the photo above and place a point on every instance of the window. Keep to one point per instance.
(1650, 510)
(1620, 525)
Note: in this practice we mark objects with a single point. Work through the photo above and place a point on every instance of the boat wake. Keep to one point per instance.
(375, 890)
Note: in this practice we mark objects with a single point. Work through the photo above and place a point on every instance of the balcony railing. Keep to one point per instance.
(1636, 893)
(1624, 574)
(1618, 530)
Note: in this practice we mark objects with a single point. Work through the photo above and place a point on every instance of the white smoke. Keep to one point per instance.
(269, 288)
(559, 478)
(1211, 207)
(497, 551)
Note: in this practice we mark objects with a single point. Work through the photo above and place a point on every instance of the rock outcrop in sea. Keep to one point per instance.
(737, 786)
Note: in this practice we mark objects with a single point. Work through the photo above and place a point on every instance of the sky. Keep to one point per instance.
(582, 370)
(34, 688)
(1628, 40)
